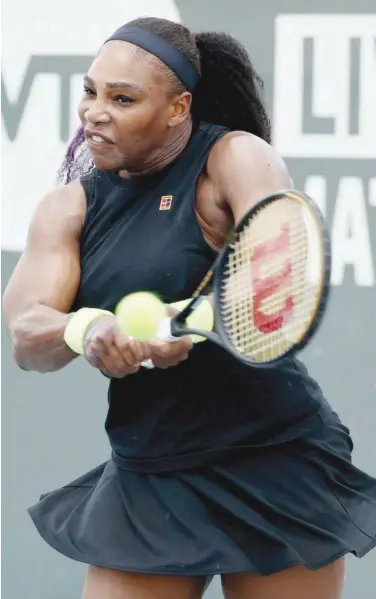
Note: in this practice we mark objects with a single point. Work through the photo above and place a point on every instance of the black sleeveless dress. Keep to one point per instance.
(216, 466)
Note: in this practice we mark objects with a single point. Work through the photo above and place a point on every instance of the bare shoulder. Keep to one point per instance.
(243, 169)
(243, 153)
(61, 210)
(66, 200)
(48, 271)
(239, 146)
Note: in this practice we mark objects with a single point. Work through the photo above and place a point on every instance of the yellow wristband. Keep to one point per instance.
(77, 326)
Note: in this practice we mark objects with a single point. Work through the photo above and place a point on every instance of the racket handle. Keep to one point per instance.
(164, 334)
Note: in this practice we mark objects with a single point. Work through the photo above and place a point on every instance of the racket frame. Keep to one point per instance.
(220, 337)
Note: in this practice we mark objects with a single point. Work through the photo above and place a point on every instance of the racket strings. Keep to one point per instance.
(272, 281)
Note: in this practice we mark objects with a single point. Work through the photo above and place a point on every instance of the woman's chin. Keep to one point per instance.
(104, 164)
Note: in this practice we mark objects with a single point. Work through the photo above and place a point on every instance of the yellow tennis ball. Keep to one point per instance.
(139, 315)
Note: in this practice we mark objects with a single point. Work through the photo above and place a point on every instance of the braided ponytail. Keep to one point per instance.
(229, 91)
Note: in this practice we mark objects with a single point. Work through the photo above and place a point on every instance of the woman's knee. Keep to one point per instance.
(112, 584)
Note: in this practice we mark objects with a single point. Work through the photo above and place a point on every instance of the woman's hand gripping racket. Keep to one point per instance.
(271, 283)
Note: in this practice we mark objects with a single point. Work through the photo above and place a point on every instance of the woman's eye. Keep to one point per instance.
(123, 99)
(88, 91)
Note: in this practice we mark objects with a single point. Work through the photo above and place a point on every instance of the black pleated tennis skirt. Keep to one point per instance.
(259, 509)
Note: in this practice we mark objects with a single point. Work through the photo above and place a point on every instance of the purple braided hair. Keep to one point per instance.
(77, 161)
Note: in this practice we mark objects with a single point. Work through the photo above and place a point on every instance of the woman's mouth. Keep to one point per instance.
(98, 142)
(97, 139)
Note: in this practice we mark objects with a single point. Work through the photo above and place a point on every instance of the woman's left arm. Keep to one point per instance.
(243, 169)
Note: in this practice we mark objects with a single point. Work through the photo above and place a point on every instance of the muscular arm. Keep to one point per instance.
(44, 283)
(243, 169)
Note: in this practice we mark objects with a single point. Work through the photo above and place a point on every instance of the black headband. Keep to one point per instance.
(166, 52)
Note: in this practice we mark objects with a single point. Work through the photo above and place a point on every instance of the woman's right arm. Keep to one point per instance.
(42, 290)
(44, 283)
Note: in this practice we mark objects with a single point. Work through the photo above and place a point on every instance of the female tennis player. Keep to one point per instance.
(216, 467)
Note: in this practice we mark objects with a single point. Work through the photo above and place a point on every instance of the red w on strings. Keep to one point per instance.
(265, 287)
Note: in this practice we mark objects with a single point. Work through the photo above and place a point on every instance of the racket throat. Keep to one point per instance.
(180, 319)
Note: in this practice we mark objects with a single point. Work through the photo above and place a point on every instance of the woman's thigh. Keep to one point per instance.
(295, 583)
(112, 584)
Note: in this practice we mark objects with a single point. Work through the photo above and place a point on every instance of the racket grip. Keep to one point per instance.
(164, 334)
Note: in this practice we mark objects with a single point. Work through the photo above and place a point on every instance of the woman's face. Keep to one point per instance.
(126, 110)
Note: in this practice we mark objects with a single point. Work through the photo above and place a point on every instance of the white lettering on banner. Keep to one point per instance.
(324, 108)
(316, 187)
(325, 86)
(350, 231)
(350, 234)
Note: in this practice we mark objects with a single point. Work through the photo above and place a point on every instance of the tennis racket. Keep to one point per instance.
(271, 282)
